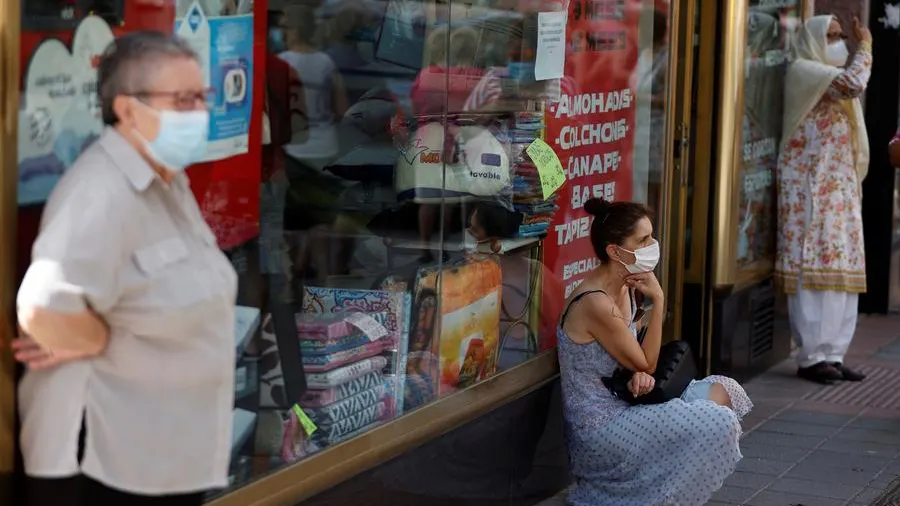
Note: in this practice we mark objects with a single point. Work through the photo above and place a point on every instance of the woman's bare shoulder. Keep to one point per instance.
(596, 307)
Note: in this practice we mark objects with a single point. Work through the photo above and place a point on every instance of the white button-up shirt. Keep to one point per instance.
(157, 402)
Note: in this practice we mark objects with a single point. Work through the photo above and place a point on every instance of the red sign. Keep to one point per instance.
(591, 130)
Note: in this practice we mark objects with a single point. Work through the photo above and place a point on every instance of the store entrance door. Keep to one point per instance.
(730, 310)
(680, 160)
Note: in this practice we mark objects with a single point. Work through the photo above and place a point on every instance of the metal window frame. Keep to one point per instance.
(10, 23)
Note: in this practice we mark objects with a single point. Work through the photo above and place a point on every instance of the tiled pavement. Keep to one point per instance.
(811, 445)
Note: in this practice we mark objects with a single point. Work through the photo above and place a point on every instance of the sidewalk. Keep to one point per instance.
(811, 445)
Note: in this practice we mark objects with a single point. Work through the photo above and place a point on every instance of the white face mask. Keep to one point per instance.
(470, 241)
(837, 53)
(645, 259)
(182, 138)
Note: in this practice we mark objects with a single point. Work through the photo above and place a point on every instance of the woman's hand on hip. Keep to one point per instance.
(30, 353)
(647, 284)
(641, 383)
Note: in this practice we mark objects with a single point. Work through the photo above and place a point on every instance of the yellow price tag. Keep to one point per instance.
(549, 168)
(304, 420)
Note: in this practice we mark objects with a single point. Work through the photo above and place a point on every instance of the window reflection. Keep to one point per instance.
(398, 257)
(768, 34)
(650, 82)
(402, 226)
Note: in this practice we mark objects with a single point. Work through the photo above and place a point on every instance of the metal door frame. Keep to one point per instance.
(10, 22)
(679, 129)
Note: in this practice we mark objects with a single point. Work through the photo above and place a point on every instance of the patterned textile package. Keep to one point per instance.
(318, 301)
(330, 433)
(325, 363)
(315, 347)
(323, 397)
(330, 326)
(333, 413)
(390, 308)
(344, 374)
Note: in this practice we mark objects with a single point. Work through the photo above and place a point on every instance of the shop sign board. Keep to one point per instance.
(591, 129)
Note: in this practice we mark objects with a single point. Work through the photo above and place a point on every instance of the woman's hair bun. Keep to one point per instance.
(597, 207)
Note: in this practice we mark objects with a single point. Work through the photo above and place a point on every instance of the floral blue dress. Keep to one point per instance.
(672, 454)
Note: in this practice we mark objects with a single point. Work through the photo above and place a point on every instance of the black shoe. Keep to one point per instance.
(848, 374)
(822, 372)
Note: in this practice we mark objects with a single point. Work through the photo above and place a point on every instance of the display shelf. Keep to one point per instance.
(455, 243)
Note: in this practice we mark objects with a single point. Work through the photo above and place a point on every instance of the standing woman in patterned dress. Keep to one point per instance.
(824, 158)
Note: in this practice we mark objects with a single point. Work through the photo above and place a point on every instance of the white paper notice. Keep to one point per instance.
(550, 58)
(368, 325)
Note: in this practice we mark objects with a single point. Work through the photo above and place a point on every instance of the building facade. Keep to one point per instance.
(400, 186)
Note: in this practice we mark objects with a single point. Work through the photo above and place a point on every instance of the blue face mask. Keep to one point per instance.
(182, 139)
(276, 40)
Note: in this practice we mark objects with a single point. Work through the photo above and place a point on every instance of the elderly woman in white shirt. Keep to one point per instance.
(127, 308)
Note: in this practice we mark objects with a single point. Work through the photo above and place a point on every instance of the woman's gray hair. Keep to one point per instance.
(127, 62)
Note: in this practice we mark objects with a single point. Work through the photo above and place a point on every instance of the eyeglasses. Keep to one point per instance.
(182, 100)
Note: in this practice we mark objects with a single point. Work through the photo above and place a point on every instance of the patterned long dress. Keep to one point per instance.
(672, 454)
(820, 234)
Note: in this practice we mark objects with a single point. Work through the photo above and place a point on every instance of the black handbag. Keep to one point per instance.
(675, 369)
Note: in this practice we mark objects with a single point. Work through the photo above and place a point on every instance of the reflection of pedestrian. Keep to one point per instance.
(450, 74)
(650, 87)
(323, 87)
(824, 158)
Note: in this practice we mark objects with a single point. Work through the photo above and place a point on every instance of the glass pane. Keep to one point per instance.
(608, 129)
(650, 81)
(387, 203)
(392, 238)
(766, 63)
(894, 301)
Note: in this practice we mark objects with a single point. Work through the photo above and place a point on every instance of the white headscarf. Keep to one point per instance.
(808, 78)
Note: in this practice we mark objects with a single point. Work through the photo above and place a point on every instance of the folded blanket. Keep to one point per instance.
(334, 432)
(331, 361)
(345, 374)
(325, 396)
(322, 416)
(328, 346)
(330, 326)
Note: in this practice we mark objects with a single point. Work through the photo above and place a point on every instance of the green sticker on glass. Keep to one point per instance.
(304, 420)
(549, 168)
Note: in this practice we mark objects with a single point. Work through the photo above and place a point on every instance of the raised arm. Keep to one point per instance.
(852, 82)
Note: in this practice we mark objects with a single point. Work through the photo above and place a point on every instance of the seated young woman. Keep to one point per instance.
(675, 453)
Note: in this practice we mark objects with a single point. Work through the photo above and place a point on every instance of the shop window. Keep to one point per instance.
(410, 219)
(394, 259)
(768, 33)
(407, 249)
